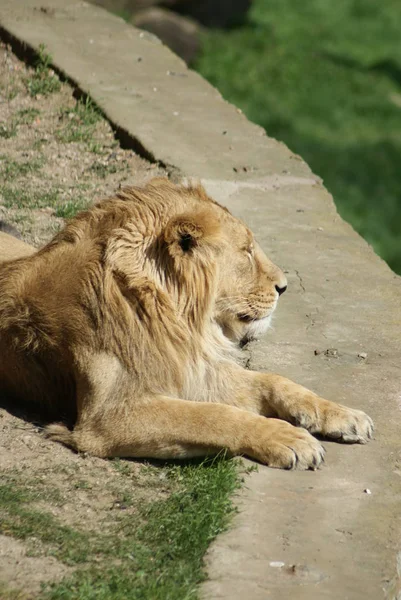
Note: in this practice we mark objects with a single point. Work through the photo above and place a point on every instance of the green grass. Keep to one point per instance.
(325, 78)
(24, 197)
(102, 170)
(26, 116)
(69, 208)
(8, 130)
(95, 147)
(12, 169)
(79, 123)
(10, 92)
(20, 197)
(22, 117)
(43, 80)
(156, 552)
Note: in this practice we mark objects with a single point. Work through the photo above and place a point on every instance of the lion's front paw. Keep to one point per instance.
(347, 425)
(284, 446)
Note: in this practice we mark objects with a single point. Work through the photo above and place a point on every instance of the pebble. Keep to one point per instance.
(277, 564)
(367, 491)
(331, 352)
(363, 355)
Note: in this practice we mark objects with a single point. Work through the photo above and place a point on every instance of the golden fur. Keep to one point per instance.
(130, 319)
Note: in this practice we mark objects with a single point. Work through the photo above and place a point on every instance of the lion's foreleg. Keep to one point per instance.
(162, 427)
(275, 396)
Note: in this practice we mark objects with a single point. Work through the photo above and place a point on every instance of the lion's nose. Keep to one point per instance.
(280, 290)
(281, 282)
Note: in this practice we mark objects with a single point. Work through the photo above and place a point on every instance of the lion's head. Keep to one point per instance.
(182, 243)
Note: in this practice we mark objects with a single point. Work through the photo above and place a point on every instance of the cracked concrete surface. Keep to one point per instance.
(338, 329)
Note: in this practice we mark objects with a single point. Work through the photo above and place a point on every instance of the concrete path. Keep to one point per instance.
(334, 533)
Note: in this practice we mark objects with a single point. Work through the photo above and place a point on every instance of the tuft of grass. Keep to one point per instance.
(24, 197)
(12, 169)
(21, 117)
(8, 130)
(80, 122)
(27, 198)
(69, 208)
(102, 170)
(11, 92)
(43, 80)
(122, 466)
(154, 552)
(95, 148)
(39, 143)
(26, 116)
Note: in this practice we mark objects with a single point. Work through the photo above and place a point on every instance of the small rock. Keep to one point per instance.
(363, 355)
(333, 352)
(367, 491)
(277, 564)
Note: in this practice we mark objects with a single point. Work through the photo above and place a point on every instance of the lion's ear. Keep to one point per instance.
(188, 231)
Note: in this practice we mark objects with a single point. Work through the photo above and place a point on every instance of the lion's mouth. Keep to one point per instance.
(245, 318)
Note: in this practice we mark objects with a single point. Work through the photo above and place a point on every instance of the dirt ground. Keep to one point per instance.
(56, 156)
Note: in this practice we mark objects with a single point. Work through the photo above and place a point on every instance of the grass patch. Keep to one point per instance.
(23, 198)
(79, 122)
(44, 80)
(156, 552)
(21, 117)
(26, 116)
(11, 92)
(325, 78)
(95, 148)
(103, 170)
(69, 208)
(12, 169)
(21, 522)
(27, 198)
(8, 130)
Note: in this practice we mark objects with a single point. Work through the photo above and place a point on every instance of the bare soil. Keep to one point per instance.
(41, 171)
(43, 176)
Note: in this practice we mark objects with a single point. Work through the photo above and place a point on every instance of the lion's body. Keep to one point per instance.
(128, 321)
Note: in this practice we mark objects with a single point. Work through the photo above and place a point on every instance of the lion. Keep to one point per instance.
(131, 320)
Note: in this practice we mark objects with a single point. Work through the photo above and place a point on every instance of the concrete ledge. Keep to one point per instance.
(159, 98)
(334, 539)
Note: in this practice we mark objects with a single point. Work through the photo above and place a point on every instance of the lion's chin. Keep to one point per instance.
(255, 329)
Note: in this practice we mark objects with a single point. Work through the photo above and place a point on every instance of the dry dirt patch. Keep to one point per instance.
(57, 154)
